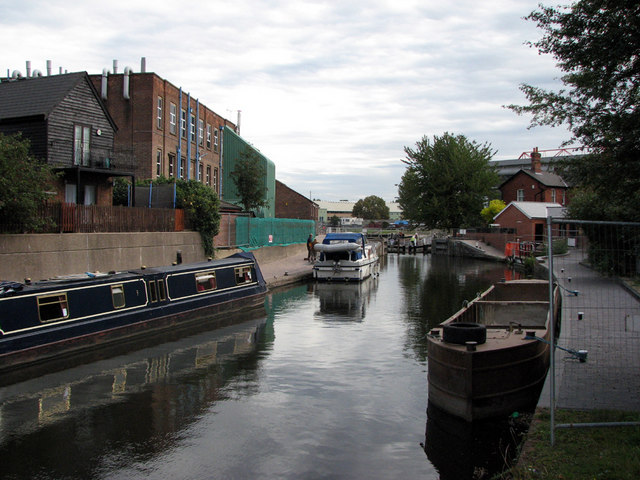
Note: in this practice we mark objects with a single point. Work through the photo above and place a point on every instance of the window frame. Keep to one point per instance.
(115, 295)
(159, 112)
(206, 281)
(60, 299)
(243, 275)
(173, 118)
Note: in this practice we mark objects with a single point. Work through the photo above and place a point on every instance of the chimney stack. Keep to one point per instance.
(536, 163)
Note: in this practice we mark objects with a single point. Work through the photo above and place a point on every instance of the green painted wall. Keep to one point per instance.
(233, 144)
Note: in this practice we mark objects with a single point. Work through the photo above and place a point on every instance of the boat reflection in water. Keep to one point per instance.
(479, 450)
(204, 361)
(345, 301)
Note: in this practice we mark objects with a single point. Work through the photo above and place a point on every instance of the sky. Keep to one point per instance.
(331, 91)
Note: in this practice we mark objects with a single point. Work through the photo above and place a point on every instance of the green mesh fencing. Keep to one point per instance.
(259, 232)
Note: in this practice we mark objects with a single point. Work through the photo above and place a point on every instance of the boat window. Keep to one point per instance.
(53, 307)
(117, 294)
(206, 282)
(243, 275)
(153, 292)
(162, 290)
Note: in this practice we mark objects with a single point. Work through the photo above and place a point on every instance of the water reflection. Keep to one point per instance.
(345, 301)
(328, 381)
(474, 451)
(80, 413)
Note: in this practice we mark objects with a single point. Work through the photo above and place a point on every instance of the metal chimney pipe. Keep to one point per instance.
(143, 65)
(103, 84)
(48, 68)
(28, 68)
(238, 123)
(125, 83)
(115, 66)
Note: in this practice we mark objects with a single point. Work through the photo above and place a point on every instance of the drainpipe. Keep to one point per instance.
(197, 157)
(179, 151)
(189, 139)
(220, 155)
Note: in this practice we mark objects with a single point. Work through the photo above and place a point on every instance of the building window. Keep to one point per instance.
(81, 143)
(182, 162)
(159, 119)
(200, 171)
(200, 132)
(208, 136)
(192, 128)
(215, 140)
(520, 195)
(173, 118)
(172, 162)
(553, 195)
(215, 180)
(183, 124)
(208, 179)
(159, 163)
(564, 198)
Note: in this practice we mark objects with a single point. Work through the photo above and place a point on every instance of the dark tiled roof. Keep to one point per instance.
(28, 97)
(547, 179)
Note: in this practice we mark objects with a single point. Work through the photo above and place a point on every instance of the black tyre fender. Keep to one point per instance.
(462, 332)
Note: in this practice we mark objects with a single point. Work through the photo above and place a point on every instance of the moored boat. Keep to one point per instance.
(345, 257)
(44, 320)
(483, 361)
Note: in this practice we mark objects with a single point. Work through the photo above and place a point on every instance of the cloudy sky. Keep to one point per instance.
(331, 91)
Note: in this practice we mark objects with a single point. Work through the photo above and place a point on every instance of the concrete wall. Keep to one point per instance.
(47, 255)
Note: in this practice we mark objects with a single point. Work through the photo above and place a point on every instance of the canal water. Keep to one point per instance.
(329, 381)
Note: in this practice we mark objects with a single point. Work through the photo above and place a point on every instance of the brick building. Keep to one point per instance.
(291, 204)
(164, 129)
(535, 185)
(528, 219)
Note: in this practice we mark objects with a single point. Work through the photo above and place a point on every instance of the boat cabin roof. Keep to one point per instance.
(351, 237)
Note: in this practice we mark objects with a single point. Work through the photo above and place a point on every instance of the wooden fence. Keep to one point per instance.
(71, 218)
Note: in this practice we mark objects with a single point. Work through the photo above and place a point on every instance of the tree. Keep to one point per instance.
(596, 45)
(334, 221)
(248, 177)
(447, 181)
(202, 210)
(371, 208)
(24, 182)
(494, 208)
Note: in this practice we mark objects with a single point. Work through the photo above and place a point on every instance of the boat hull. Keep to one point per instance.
(505, 374)
(33, 342)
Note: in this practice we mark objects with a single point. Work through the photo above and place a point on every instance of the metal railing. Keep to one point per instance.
(599, 276)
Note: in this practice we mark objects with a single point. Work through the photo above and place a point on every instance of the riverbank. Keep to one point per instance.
(602, 316)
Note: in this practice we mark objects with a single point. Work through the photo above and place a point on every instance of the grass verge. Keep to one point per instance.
(610, 453)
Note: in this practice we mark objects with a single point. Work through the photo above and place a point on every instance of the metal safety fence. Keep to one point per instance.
(596, 362)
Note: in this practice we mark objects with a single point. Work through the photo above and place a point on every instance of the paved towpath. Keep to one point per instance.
(286, 270)
(604, 319)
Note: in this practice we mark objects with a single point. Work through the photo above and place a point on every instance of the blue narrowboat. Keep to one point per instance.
(47, 319)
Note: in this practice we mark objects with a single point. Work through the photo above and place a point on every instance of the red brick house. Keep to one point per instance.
(535, 185)
(528, 219)
(291, 204)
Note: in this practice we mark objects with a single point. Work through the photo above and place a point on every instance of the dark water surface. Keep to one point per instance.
(330, 383)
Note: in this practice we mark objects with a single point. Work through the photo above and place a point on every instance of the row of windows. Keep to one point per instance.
(56, 307)
(520, 195)
(203, 177)
(211, 133)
